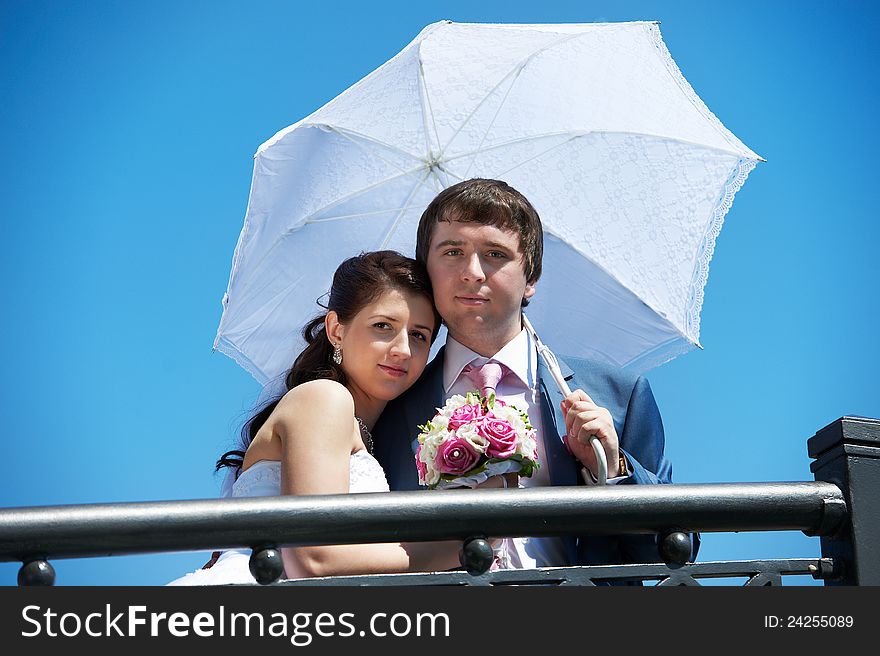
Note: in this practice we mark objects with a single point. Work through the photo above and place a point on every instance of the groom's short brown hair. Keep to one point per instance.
(487, 202)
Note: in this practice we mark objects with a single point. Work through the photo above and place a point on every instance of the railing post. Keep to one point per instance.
(847, 453)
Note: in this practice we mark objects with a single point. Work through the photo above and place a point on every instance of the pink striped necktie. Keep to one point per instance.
(487, 377)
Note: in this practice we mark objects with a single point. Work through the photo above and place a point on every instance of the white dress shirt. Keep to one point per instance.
(519, 388)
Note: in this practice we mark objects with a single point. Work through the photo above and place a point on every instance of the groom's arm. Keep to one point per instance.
(642, 439)
(633, 429)
(643, 443)
(626, 426)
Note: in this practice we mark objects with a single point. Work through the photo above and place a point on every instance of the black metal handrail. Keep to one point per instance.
(817, 508)
(841, 507)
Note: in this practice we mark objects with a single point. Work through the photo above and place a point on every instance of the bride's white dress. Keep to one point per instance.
(263, 479)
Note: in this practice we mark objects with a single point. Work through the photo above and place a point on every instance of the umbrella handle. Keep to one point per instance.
(553, 365)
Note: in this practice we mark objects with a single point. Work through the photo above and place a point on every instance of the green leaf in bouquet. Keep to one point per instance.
(528, 468)
(473, 471)
(479, 468)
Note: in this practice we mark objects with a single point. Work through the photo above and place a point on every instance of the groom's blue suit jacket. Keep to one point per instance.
(636, 418)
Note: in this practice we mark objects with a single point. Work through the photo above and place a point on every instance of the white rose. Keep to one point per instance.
(432, 441)
(451, 405)
(527, 445)
(428, 455)
(439, 424)
(469, 432)
(432, 474)
(512, 416)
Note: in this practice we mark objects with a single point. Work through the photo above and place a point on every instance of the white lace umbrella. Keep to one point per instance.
(628, 169)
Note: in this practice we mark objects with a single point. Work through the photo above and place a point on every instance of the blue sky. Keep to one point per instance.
(128, 131)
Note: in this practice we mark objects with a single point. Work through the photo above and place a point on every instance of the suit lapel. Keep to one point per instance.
(563, 470)
(420, 406)
(433, 394)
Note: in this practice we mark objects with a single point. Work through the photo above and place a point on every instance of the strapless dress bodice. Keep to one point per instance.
(263, 479)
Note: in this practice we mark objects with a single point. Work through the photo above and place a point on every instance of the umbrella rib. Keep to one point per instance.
(491, 123)
(438, 183)
(274, 304)
(351, 134)
(512, 142)
(541, 154)
(448, 174)
(397, 218)
(340, 217)
(427, 110)
(516, 70)
(311, 217)
(582, 133)
(655, 136)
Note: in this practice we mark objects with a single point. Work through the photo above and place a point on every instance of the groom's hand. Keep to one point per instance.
(583, 419)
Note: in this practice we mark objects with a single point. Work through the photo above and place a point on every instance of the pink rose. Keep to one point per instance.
(501, 436)
(456, 456)
(464, 415)
(422, 467)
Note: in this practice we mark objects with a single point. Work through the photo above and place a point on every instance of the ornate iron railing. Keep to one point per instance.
(841, 507)
(756, 573)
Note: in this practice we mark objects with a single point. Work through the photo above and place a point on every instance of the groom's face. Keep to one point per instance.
(479, 281)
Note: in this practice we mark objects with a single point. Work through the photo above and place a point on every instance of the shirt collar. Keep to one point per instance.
(519, 355)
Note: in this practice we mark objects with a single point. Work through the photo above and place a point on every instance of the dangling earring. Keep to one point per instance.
(337, 354)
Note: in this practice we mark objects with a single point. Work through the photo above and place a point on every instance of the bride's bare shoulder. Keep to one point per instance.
(316, 396)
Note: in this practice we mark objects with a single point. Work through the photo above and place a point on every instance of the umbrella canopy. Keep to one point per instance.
(594, 123)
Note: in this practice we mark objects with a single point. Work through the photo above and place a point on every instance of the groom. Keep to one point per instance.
(482, 243)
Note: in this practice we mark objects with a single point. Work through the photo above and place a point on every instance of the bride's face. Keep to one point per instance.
(385, 346)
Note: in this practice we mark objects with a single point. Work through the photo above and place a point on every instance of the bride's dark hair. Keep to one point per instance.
(358, 281)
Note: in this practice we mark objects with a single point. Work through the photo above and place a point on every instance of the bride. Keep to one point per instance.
(370, 346)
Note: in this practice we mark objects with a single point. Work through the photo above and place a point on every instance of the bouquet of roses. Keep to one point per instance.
(474, 437)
